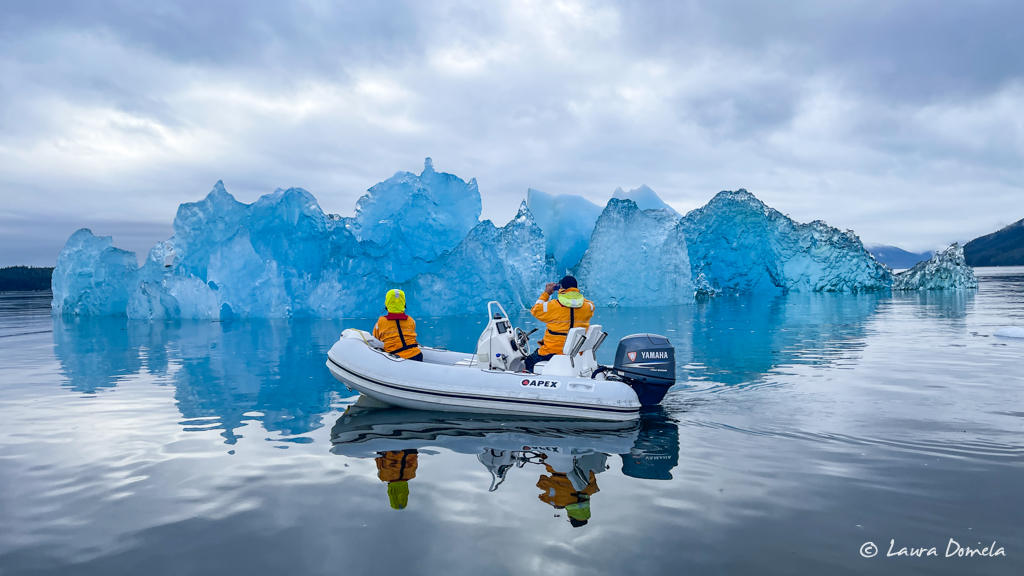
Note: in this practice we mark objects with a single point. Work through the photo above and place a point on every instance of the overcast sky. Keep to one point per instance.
(903, 121)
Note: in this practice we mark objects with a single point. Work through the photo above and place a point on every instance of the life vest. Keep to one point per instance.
(398, 333)
(397, 466)
(569, 310)
(558, 490)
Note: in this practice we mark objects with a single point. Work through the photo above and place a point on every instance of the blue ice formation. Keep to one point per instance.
(636, 258)
(508, 264)
(946, 270)
(737, 244)
(92, 277)
(282, 256)
(645, 198)
(567, 221)
(734, 244)
(411, 220)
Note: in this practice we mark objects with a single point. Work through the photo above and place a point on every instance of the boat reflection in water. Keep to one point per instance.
(568, 454)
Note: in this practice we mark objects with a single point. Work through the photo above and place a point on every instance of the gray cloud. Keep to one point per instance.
(899, 120)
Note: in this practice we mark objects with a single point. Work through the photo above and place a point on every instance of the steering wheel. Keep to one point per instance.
(523, 339)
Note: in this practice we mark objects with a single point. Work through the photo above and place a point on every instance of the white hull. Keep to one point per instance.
(440, 384)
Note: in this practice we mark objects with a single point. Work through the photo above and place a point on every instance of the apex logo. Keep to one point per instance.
(541, 383)
(631, 355)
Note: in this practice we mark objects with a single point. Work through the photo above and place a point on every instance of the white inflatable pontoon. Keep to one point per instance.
(493, 380)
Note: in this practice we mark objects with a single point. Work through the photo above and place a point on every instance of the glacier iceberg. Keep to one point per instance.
(636, 258)
(92, 278)
(414, 219)
(506, 264)
(567, 221)
(734, 244)
(947, 270)
(282, 256)
(737, 244)
(645, 198)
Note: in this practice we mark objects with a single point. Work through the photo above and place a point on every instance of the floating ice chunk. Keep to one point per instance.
(527, 263)
(636, 258)
(645, 198)
(567, 221)
(92, 278)
(412, 219)
(737, 244)
(947, 270)
(1010, 332)
(504, 264)
(200, 227)
(283, 257)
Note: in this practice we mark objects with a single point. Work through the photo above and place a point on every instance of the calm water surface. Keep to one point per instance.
(803, 427)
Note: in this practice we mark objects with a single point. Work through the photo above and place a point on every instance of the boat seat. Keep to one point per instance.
(572, 337)
(592, 333)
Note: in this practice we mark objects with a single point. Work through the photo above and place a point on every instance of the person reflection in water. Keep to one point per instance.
(571, 491)
(397, 468)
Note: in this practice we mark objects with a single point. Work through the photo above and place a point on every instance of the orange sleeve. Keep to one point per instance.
(376, 330)
(590, 306)
(540, 309)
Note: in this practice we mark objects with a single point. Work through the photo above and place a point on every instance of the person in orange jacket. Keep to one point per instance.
(397, 468)
(569, 310)
(397, 330)
(558, 491)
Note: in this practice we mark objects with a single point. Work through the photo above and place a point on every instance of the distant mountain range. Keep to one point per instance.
(898, 258)
(1002, 248)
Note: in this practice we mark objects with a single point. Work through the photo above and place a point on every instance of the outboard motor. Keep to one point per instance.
(647, 362)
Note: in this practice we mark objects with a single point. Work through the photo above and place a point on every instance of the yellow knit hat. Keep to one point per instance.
(395, 301)
(398, 494)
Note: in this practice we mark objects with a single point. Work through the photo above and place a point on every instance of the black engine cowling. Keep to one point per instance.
(647, 362)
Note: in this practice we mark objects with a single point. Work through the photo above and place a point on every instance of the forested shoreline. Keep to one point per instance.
(25, 278)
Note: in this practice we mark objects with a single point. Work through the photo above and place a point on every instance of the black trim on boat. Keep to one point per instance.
(486, 398)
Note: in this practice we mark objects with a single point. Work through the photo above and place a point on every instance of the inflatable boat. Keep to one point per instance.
(494, 378)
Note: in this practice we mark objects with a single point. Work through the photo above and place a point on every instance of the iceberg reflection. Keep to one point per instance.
(222, 372)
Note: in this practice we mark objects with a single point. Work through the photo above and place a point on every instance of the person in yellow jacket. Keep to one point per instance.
(559, 493)
(397, 330)
(569, 310)
(397, 468)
